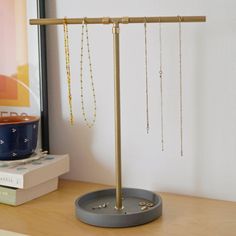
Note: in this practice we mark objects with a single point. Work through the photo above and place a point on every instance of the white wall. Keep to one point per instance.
(209, 98)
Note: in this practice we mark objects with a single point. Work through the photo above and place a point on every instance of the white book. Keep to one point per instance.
(35, 172)
(15, 197)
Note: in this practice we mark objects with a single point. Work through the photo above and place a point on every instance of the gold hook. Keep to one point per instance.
(180, 18)
(145, 20)
(65, 21)
(84, 20)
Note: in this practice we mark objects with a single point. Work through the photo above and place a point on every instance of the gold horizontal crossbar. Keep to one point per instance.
(122, 20)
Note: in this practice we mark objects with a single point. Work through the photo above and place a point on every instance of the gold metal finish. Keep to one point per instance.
(142, 203)
(150, 204)
(162, 19)
(67, 56)
(144, 208)
(125, 20)
(89, 124)
(106, 20)
(115, 30)
(116, 52)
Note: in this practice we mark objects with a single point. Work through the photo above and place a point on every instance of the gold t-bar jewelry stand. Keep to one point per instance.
(115, 30)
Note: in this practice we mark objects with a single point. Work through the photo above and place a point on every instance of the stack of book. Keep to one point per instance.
(21, 182)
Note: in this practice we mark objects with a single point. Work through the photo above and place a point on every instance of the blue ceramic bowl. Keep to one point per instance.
(18, 137)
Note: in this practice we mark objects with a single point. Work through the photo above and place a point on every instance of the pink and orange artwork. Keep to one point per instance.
(14, 69)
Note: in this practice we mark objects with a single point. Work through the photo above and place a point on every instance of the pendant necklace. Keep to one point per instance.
(67, 56)
(161, 87)
(89, 124)
(146, 74)
(180, 87)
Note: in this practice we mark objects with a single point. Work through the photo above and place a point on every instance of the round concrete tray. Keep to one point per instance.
(98, 208)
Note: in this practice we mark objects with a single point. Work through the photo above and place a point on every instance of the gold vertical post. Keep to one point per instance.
(116, 52)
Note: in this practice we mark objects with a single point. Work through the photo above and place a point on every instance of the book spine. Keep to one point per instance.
(8, 196)
(10, 180)
(15, 197)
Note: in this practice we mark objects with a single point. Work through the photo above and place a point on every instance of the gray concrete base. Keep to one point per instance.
(98, 208)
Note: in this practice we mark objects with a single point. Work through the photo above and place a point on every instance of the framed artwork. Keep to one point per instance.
(23, 72)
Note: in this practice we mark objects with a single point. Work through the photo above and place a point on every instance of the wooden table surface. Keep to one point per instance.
(53, 214)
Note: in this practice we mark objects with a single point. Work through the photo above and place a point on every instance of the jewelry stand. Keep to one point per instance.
(119, 207)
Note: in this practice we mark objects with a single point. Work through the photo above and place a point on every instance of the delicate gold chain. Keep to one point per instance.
(161, 88)
(89, 124)
(67, 55)
(180, 88)
(146, 74)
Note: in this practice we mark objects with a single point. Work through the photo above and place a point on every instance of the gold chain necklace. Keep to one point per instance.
(89, 124)
(161, 88)
(67, 55)
(180, 88)
(146, 74)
